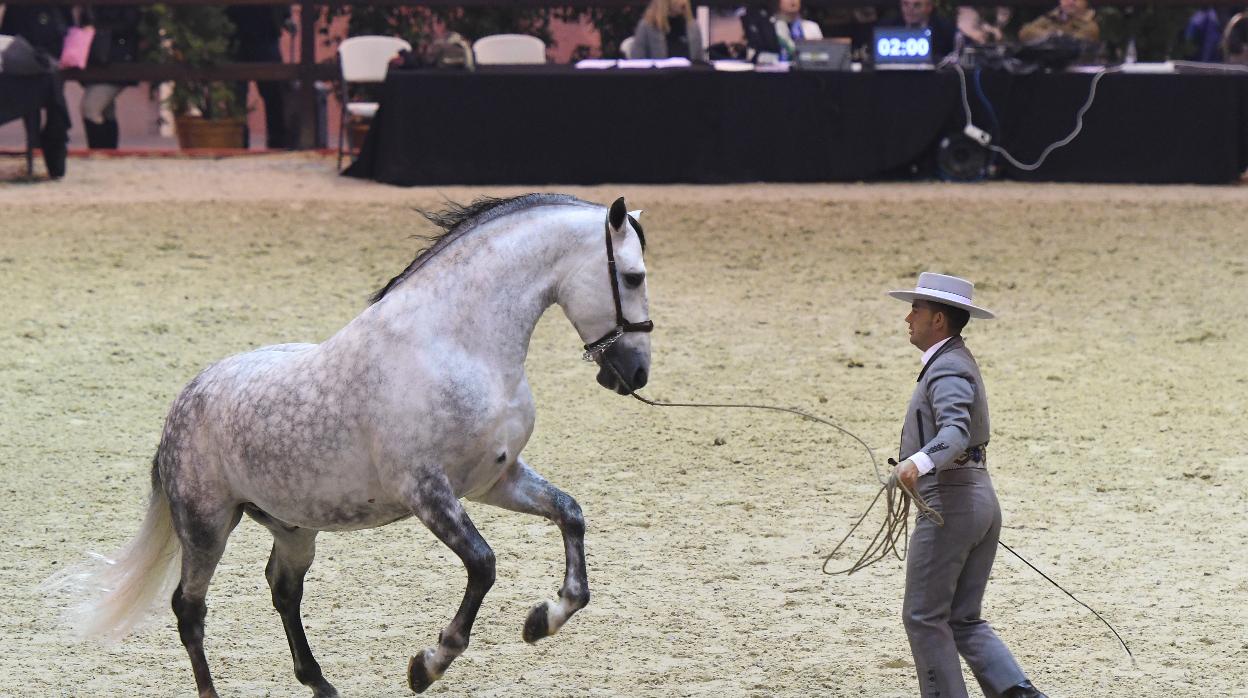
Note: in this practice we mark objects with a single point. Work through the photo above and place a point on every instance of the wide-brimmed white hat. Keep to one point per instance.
(949, 290)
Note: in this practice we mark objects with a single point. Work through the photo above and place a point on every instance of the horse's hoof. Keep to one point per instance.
(324, 690)
(537, 625)
(419, 676)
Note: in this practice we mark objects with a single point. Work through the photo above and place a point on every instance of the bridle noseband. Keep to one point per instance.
(595, 349)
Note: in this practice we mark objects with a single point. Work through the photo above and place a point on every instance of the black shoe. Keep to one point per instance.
(111, 132)
(101, 135)
(1023, 690)
(97, 134)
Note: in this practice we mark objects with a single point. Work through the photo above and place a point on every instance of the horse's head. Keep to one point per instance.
(605, 298)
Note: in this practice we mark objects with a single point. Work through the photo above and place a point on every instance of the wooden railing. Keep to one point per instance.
(307, 70)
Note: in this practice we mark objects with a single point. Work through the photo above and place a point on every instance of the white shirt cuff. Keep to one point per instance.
(922, 462)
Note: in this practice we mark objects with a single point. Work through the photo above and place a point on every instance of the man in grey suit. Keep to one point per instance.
(944, 442)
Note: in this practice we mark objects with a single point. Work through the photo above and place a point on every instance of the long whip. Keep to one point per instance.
(897, 496)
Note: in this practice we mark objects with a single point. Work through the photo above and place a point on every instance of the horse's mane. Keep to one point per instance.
(456, 220)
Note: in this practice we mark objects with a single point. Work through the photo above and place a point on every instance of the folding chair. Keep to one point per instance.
(364, 59)
(509, 49)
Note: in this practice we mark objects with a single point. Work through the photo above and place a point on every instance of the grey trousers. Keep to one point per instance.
(946, 573)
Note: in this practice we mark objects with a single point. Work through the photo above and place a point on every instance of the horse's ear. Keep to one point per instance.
(618, 212)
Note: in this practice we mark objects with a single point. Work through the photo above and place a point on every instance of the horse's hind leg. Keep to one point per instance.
(293, 551)
(435, 504)
(522, 489)
(203, 541)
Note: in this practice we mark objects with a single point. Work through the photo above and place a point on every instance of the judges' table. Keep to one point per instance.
(560, 125)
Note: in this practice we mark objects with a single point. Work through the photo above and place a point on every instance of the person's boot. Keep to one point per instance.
(97, 134)
(1023, 690)
(103, 135)
(110, 134)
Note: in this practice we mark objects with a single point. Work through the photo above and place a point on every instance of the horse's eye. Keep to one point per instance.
(634, 280)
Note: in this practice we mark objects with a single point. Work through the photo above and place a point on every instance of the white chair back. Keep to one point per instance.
(366, 58)
(626, 47)
(509, 49)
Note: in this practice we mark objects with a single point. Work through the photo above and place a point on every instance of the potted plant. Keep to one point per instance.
(207, 114)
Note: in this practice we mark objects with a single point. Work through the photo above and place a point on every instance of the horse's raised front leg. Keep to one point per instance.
(435, 504)
(522, 489)
(293, 551)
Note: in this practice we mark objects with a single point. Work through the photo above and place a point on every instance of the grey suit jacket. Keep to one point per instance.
(649, 42)
(948, 411)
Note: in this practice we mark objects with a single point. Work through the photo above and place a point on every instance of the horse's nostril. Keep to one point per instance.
(639, 378)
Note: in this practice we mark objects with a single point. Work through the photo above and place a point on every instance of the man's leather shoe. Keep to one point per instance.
(1023, 690)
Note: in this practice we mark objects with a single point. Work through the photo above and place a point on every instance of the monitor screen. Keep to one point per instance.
(894, 45)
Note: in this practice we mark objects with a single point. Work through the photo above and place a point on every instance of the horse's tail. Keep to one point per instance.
(108, 597)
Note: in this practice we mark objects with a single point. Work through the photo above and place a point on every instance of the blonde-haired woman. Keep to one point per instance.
(667, 30)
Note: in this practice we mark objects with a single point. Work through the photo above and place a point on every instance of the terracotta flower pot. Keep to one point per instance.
(198, 132)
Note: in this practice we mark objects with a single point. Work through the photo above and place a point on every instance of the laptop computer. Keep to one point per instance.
(902, 48)
(822, 54)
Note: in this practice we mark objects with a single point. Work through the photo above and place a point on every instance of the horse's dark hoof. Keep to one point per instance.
(324, 689)
(419, 677)
(537, 625)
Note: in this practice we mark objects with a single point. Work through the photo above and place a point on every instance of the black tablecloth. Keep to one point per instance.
(559, 125)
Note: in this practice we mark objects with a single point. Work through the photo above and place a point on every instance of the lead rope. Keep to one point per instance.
(896, 525)
(897, 496)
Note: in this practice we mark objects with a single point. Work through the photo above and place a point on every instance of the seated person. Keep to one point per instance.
(667, 30)
(976, 29)
(921, 14)
(1235, 39)
(1071, 18)
(854, 23)
(791, 28)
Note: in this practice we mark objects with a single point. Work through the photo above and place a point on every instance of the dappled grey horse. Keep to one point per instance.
(420, 401)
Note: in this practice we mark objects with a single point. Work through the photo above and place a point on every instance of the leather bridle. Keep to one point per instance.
(595, 349)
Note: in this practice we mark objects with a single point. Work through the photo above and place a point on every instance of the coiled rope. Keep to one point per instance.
(897, 496)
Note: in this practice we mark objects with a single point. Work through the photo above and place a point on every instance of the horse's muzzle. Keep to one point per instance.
(623, 370)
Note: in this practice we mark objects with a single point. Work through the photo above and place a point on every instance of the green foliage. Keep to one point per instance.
(421, 26)
(615, 24)
(197, 36)
(412, 23)
(1158, 31)
(475, 22)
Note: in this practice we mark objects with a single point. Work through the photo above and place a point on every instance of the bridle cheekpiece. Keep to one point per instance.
(593, 350)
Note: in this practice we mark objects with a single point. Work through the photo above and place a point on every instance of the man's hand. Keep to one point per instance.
(907, 474)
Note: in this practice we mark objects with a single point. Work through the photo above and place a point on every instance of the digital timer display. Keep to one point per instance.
(900, 45)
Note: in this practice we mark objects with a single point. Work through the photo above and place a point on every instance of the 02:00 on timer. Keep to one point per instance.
(908, 48)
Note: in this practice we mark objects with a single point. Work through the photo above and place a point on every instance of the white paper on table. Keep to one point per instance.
(733, 66)
(782, 67)
(672, 63)
(596, 63)
(635, 63)
(1162, 68)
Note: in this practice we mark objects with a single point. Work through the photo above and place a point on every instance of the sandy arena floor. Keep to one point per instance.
(1117, 375)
